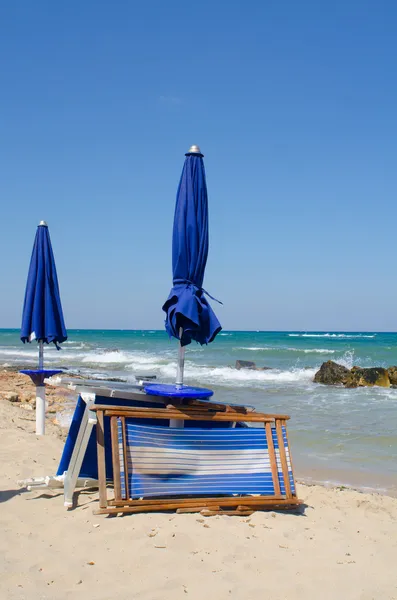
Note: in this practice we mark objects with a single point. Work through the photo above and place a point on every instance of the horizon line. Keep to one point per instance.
(225, 330)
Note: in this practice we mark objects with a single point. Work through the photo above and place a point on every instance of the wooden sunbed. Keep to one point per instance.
(212, 471)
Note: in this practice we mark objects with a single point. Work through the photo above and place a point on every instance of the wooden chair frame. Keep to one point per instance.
(209, 505)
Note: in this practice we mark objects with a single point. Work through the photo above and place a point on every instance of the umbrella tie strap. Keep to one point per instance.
(200, 289)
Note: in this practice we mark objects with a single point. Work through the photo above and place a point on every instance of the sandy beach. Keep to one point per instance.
(343, 544)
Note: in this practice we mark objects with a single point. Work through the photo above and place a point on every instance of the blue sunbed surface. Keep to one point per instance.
(89, 467)
(165, 461)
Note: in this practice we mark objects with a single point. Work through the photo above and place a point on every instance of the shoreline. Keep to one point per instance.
(342, 479)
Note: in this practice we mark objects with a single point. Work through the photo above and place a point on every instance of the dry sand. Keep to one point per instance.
(342, 546)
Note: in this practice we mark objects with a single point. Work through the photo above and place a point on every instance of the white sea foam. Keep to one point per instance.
(76, 345)
(281, 349)
(348, 360)
(118, 357)
(257, 348)
(331, 335)
(18, 353)
(232, 377)
(112, 356)
(313, 350)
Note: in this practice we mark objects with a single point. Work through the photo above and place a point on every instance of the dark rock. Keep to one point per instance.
(331, 373)
(145, 377)
(359, 377)
(392, 371)
(112, 379)
(245, 364)
(249, 364)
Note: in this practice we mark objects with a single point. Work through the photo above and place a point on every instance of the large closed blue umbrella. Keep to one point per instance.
(189, 315)
(42, 317)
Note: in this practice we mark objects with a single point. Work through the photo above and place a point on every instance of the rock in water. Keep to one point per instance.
(245, 364)
(249, 364)
(330, 373)
(359, 377)
(392, 371)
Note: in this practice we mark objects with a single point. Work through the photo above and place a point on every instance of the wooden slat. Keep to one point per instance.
(204, 502)
(127, 488)
(207, 512)
(219, 407)
(272, 458)
(115, 458)
(142, 506)
(194, 509)
(283, 423)
(283, 458)
(215, 510)
(166, 415)
(154, 413)
(101, 461)
(205, 412)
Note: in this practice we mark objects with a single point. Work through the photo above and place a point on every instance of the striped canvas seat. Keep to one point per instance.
(159, 461)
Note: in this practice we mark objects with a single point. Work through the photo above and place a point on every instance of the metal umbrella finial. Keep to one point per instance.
(194, 150)
(43, 224)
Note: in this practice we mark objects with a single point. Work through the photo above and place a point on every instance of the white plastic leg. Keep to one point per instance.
(33, 482)
(54, 482)
(40, 410)
(71, 476)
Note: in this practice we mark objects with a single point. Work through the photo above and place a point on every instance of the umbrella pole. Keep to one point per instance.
(181, 362)
(41, 354)
(40, 396)
(179, 378)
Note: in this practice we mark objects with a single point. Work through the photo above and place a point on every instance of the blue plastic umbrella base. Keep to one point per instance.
(174, 391)
(38, 375)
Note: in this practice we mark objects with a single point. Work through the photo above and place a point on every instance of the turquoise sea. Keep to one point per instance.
(337, 435)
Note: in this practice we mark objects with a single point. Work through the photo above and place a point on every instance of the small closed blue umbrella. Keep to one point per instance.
(42, 317)
(189, 316)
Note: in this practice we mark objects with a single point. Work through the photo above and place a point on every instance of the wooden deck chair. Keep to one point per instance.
(228, 471)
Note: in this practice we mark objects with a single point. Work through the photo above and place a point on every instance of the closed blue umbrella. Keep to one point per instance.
(189, 316)
(42, 317)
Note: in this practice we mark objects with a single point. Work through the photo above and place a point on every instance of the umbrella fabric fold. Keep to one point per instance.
(186, 308)
(42, 317)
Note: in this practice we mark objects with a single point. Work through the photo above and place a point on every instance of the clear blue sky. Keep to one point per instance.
(294, 105)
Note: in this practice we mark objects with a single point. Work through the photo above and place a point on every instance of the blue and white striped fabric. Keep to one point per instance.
(164, 461)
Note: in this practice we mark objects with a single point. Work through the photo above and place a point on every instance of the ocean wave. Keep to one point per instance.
(228, 376)
(18, 353)
(257, 348)
(281, 349)
(332, 335)
(118, 357)
(26, 352)
(77, 345)
(348, 359)
(314, 350)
